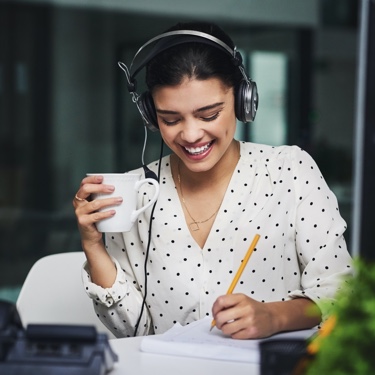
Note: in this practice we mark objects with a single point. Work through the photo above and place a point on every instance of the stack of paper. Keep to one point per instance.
(196, 340)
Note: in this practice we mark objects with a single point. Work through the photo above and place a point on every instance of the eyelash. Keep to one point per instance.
(169, 123)
(212, 118)
(205, 119)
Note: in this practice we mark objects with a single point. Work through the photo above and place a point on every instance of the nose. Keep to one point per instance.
(191, 131)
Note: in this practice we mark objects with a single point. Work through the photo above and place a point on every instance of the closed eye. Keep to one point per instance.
(211, 118)
(169, 123)
(205, 119)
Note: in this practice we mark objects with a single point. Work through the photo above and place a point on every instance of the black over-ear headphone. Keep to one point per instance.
(246, 98)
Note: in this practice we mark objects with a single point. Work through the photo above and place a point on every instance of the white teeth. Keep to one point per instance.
(198, 150)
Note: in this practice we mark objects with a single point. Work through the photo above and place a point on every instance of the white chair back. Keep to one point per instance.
(53, 293)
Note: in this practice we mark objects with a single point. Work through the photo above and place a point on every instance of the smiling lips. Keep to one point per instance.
(195, 151)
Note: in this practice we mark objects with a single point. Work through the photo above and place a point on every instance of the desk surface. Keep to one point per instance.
(133, 361)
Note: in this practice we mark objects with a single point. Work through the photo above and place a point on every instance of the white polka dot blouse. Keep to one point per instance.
(277, 192)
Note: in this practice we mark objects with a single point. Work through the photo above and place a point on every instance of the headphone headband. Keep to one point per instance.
(193, 33)
(246, 97)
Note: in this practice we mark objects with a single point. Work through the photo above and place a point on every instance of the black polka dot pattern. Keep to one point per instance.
(277, 192)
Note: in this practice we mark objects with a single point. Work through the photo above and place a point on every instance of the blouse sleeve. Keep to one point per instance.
(119, 306)
(320, 244)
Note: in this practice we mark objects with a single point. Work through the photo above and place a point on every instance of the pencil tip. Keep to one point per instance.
(211, 328)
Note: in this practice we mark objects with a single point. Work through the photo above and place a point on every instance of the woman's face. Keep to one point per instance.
(196, 120)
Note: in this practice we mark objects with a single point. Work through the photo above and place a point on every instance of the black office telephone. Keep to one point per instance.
(51, 349)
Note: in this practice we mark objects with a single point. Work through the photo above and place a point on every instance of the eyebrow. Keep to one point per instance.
(202, 109)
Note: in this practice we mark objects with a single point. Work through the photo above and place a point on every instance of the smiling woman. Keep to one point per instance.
(216, 194)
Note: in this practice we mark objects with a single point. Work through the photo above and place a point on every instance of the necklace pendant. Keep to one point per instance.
(194, 226)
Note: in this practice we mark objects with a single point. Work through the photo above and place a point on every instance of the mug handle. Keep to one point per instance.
(137, 185)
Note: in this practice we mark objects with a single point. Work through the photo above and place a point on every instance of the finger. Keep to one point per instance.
(229, 308)
(224, 302)
(97, 179)
(225, 317)
(231, 327)
(90, 214)
(87, 189)
(79, 199)
(97, 205)
(102, 204)
(86, 222)
(241, 326)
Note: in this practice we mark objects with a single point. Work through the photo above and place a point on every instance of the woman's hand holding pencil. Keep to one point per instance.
(238, 274)
(241, 317)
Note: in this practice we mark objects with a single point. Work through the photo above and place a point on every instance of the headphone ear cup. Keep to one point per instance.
(246, 101)
(146, 107)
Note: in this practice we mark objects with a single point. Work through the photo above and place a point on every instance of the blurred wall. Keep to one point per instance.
(64, 109)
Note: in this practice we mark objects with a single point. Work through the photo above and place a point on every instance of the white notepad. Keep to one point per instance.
(196, 340)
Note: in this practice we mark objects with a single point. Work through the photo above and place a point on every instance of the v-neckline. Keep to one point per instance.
(217, 216)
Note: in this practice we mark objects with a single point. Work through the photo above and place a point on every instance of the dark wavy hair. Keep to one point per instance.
(193, 60)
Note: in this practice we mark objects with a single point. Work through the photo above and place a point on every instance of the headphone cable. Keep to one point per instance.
(149, 244)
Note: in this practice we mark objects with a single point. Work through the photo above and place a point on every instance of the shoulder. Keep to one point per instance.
(277, 160)
(266, 153)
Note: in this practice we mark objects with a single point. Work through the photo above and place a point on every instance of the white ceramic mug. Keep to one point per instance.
(126, 186)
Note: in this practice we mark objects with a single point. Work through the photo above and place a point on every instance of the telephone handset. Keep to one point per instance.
(52, 349)
(9, 317)
(10, 325)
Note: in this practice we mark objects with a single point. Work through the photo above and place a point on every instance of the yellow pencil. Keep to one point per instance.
(240, 270)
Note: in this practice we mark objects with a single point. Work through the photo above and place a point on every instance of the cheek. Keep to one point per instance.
(230, 127)
(162, 130)
(166, 133)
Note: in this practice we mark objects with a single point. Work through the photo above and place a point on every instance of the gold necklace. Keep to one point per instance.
(194, 225)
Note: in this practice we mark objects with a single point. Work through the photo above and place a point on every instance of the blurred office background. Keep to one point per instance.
(65, 110)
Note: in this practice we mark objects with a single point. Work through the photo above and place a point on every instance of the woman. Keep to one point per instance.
(216, 194)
